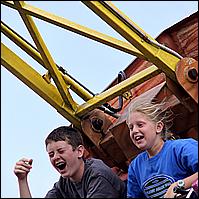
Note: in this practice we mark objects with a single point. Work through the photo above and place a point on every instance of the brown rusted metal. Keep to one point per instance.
(187, 76)
(114, 144)
(88, 126)
(182, 38)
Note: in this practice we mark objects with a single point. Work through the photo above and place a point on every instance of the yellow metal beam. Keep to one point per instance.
(79, 29)
(34, 80)
(164, 60)
(77, 88)
(47, 58)
(117, 90)
(33, 52)
(22, 43)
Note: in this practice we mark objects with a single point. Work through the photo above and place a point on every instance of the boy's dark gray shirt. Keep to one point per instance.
(98, 181)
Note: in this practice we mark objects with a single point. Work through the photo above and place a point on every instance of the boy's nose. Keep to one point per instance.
(56, 156)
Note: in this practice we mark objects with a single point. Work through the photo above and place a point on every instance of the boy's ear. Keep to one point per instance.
(159, 127)
(80, 151)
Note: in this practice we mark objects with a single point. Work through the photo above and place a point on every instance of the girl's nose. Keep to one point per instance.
(134, 129)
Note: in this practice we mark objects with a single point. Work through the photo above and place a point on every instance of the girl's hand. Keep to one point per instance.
(170, 193)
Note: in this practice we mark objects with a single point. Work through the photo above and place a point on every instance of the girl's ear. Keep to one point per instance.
(80, 151)
(159, 127)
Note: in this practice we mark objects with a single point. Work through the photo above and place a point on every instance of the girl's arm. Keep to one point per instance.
(188, 183)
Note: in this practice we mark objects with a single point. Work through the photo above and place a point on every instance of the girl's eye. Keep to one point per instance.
(130, 127)
(140, 125)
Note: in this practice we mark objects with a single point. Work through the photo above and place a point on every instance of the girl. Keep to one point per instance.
(164, 163)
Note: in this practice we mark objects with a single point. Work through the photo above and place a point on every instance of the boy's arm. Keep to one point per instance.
(24, 188)
(21, 170)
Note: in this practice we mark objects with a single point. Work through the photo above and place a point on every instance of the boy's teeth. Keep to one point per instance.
(59, 163)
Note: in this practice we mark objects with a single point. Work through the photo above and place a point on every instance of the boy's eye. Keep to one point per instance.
(61, 151)
(51, 155)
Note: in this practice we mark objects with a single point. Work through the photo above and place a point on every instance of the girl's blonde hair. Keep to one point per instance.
(155, 112)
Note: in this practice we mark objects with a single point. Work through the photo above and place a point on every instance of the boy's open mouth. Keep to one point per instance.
(60, 165)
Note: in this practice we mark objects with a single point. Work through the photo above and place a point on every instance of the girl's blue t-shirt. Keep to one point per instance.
(151, 177)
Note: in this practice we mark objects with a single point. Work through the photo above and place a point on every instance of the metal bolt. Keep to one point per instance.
(193, 74)
(97, 124)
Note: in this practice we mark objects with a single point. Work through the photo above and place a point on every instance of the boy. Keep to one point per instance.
(80, 178)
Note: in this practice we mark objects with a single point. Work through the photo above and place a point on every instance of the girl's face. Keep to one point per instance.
(144, 133)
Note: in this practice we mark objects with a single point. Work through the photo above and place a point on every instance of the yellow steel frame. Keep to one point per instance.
(58, 95)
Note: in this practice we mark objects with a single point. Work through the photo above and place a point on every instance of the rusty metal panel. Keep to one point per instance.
(185, 36)
(182, 38)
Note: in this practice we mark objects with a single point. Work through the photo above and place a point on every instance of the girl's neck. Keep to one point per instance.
(156, 148)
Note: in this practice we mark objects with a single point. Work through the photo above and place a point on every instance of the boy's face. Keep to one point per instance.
(64, 158)
(143, 132)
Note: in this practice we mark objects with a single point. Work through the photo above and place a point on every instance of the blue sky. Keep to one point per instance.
(26, 119)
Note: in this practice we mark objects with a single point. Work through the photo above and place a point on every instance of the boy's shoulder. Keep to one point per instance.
(96, 164)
